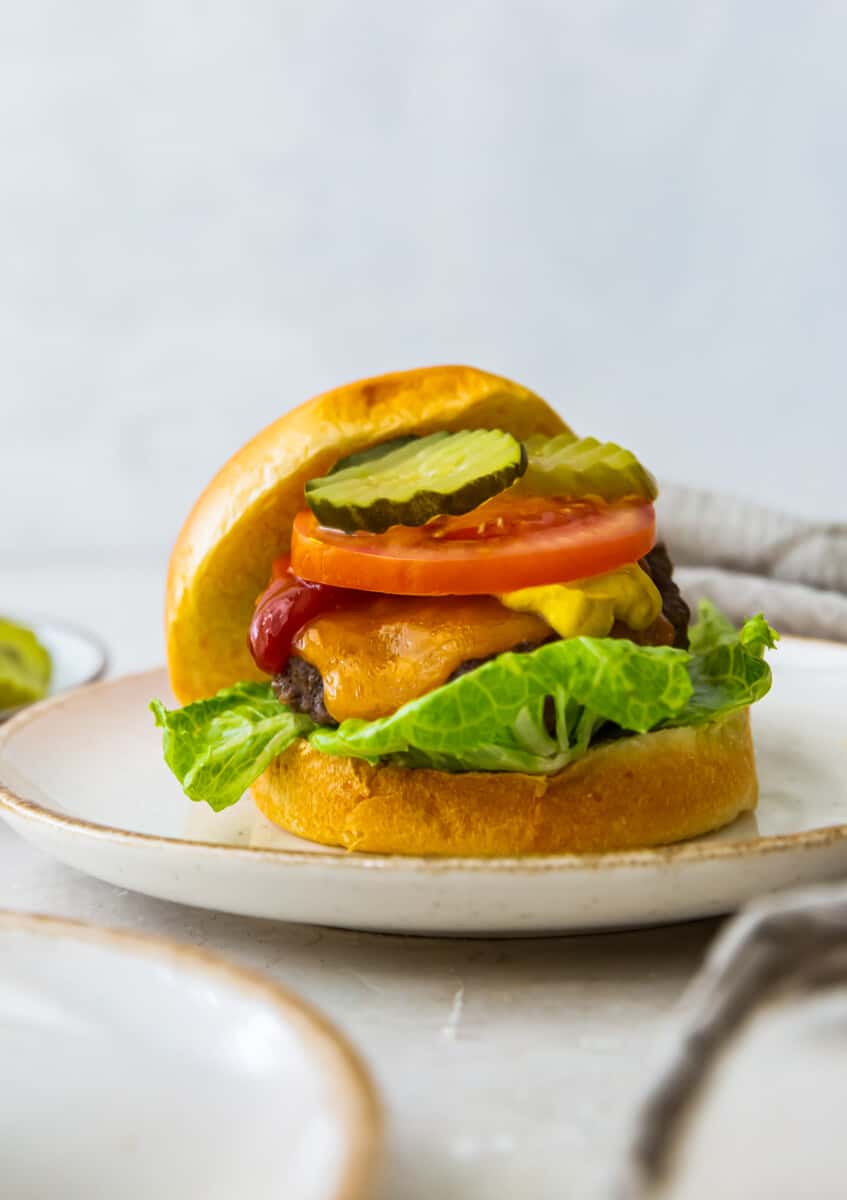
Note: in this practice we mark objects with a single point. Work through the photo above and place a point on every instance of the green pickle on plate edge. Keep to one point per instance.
(25, 666)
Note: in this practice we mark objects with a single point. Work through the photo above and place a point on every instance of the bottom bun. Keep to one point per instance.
(639, 791)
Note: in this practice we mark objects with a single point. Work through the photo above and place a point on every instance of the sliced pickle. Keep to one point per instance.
(25, 666)
(570, 466)
(407, 482)
(372, 452)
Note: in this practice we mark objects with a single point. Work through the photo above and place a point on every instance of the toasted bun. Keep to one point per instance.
(640, 791)
(222, 558)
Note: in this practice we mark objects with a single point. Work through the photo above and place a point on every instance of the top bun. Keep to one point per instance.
(242, 521)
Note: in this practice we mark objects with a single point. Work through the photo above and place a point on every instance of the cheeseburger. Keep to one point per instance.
(420, 615)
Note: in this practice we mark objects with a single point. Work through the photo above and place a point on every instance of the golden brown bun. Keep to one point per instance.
(242, 521)
(640, 791)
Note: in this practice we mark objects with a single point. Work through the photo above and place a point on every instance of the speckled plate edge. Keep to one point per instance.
(353, 1091)
(696, 850)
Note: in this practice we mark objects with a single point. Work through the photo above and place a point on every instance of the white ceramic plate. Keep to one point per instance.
(78, 657)
(84, 779)
(134, 1067)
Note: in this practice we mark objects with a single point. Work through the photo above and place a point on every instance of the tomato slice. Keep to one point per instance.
(508, 543)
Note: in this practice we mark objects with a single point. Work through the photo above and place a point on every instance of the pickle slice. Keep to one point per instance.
(570, 466)
(410, 481)
(372, 452)
(25, 666)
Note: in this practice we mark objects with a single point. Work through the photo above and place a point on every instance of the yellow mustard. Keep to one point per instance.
(589, 607)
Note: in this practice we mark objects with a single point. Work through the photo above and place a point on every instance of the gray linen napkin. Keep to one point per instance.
(784, 948)
(749, 559)
(789, 949)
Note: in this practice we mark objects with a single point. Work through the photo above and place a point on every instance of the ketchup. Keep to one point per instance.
(287, 604)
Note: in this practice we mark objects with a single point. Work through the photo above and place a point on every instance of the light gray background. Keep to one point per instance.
(209, 212)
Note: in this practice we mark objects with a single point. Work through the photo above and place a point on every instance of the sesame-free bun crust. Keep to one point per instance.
(242, 521)
(647, 790)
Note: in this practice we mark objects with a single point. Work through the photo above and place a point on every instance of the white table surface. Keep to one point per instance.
(507, 1068)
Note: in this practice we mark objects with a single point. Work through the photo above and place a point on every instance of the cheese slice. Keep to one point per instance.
(590, 607)
(388, 650)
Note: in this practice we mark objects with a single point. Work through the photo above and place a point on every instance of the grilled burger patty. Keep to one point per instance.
(657, 564)
(301, 687)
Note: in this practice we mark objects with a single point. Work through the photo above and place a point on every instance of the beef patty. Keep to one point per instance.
(657, 564)
(301, 687)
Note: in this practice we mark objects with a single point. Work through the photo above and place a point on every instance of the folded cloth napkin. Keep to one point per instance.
(761, 1113)
(749, 559)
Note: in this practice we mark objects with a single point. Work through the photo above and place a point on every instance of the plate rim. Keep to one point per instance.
(357, 1100)
(692, 851)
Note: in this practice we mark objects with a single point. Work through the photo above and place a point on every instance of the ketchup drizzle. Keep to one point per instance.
(286, 605)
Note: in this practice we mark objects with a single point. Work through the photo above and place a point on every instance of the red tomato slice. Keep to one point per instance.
(508, 543)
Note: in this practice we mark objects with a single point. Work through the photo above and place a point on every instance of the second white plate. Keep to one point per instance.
(82, 777)
(134, 1067)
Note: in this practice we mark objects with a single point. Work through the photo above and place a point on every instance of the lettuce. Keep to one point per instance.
(533, 712)
(493, 719)
(217, 747)
(727, 666)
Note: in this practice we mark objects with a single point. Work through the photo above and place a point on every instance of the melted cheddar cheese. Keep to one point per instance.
(388, 650)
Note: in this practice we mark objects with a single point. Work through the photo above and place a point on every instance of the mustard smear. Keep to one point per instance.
(590, 607)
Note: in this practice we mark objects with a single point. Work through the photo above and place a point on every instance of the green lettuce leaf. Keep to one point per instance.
(492, 719)
(711, 629)
(495, 718)
(727, 666)
(218, 747)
